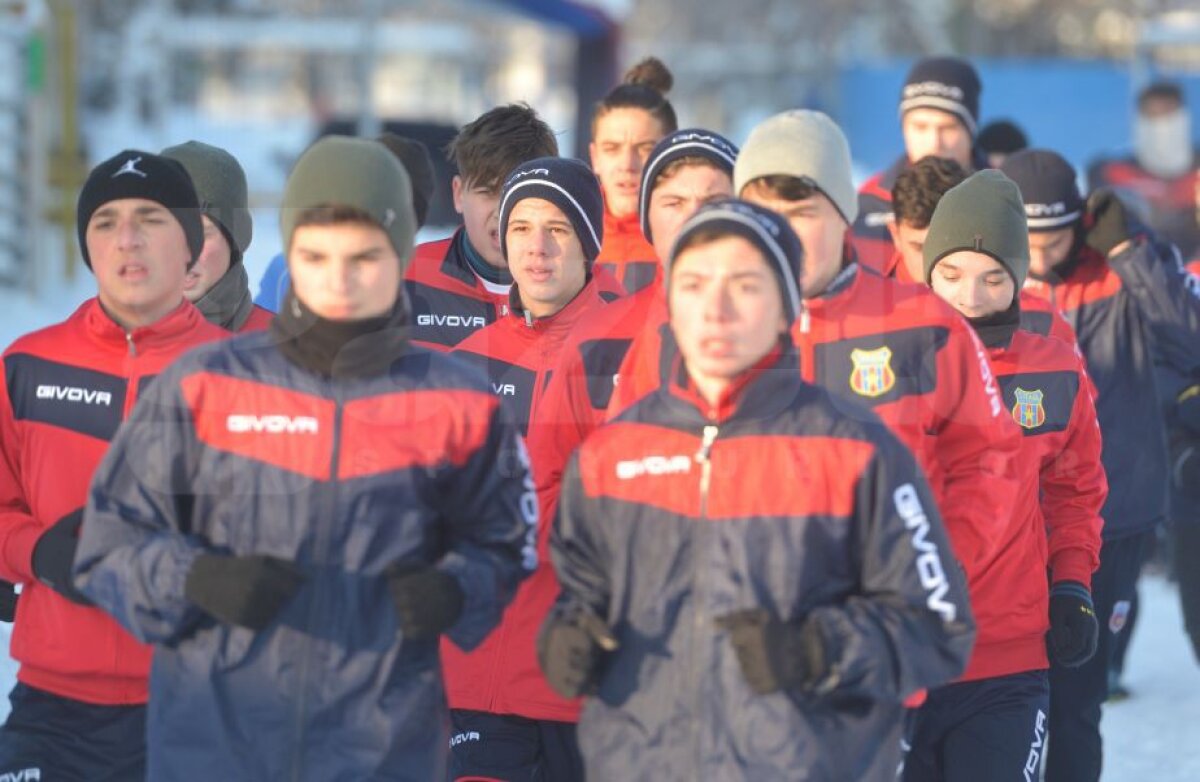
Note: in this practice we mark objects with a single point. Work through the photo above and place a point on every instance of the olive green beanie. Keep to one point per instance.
(221, 185)
(983, 213)
(354, 172)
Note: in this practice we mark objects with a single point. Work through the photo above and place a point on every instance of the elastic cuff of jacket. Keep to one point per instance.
(1071, 589)
(1073, 564)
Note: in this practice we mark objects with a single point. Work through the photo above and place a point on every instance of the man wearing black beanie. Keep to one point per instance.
(78, 709)
(939, 116)
(1137, 318)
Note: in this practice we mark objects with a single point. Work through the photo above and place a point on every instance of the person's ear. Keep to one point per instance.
(456, 189)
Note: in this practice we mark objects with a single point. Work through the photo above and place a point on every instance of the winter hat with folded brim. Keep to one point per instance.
(136, 174)
(984, 214)
(221, 186)
(947, 84)
(766, 230)
(1048, 188)
(358, 173)
(806, 145)
(689, 143)
(568, 184)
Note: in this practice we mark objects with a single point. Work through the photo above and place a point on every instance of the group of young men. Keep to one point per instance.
(835, 485)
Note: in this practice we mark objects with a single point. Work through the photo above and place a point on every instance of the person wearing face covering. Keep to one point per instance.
(1163, 173)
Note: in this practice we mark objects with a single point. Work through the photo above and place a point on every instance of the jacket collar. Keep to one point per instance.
(163, 333)
(228, 303)
(762, 391)
(563, 319)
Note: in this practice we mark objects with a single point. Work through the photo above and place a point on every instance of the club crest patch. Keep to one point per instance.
(872, 374)
(1028, 411)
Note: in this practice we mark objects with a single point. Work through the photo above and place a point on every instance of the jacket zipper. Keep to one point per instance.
(319, 552)
(701, 619)
(808, 369)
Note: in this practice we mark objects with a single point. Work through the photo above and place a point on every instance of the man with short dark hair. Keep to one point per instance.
(457, 286)
(915, 195)
(79, 706)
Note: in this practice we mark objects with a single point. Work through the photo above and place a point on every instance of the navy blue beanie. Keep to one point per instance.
(135, 174)
(944, 83)
(568, 184)
(1048, 188)
(763, 228)
(690, 142)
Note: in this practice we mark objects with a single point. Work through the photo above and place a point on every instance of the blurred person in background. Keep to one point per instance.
(217, 283)
(939, 113)
(999, 139)
(626, 125)
(1162, 176)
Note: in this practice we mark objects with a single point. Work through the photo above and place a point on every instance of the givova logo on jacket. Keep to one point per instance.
(930, 570)
(1028, 411)
(271, 424)
(653, 465)
(872, 374)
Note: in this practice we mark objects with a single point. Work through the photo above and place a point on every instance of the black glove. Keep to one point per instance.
(54, 554)
(246, 591)
(427, 600)
(775, 655)
(1074, 631)
(1108, 222)
(569, 649)
(8, 601)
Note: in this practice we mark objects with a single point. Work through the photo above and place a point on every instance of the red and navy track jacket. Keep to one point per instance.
(237, 450)
(872, 241)
(501, 676)
(626, 255)
(1130, 312)
(67, 388)
(675, 514)
(1056, 519)
(903, 353)
(449, 302)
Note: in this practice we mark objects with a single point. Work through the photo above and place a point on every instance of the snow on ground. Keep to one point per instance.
(1151, 736)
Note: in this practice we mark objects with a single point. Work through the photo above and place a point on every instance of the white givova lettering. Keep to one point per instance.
(271, 424)
(73, 394)
(24, 775)
(1035, 749)
(653, 465)
(529, 510)
(504, 389)
(1046, 210)
(453, 321)
(463, 738)
(989, 382)
(929, 561)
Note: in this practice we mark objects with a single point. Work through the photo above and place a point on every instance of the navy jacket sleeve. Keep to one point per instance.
(134, 551)
(911, 625)
(492, 515)
(1168, 300)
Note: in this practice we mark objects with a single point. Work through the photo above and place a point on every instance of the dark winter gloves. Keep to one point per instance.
(775, 655)
(247, 591)
(1109, 223)
(1074, 631)
(54, 553)
(427, 600)
(569, 648)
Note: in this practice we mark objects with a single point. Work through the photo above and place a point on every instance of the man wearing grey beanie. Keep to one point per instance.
(294, 517)
(883, 345)
(217, 283)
